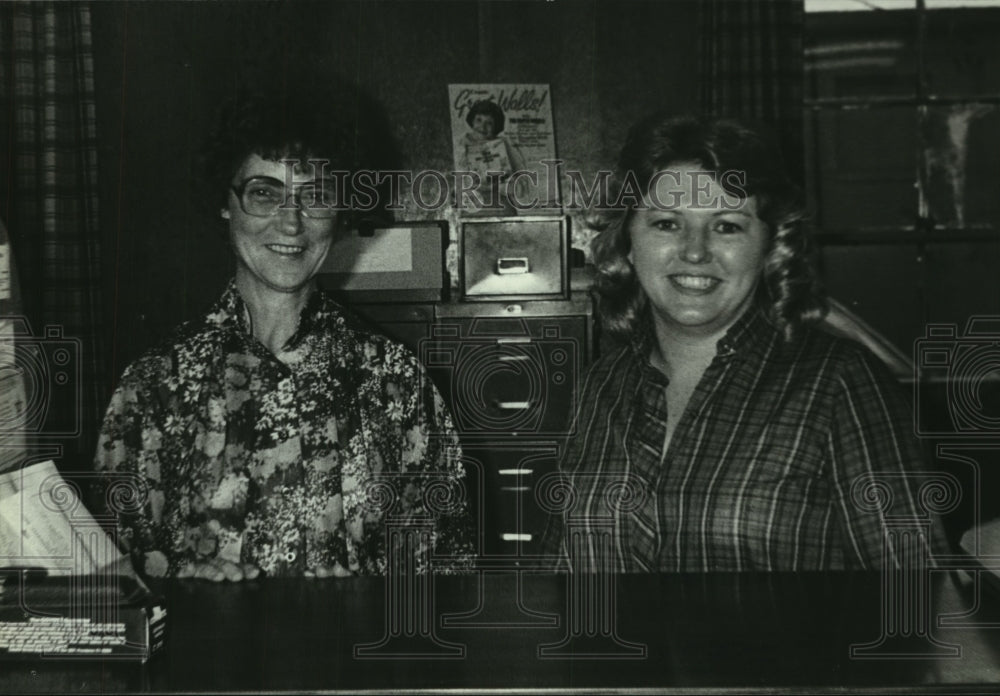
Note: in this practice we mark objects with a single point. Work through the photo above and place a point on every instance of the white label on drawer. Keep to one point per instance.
(516, 472)
(508, 536)
(513, 405)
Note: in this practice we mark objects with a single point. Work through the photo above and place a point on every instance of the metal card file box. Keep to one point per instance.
(507, 258)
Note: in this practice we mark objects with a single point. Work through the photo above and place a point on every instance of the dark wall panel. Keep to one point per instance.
(883, 284)
(164, 68)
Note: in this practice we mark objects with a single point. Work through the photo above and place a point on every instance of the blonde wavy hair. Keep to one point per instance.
(789, 289)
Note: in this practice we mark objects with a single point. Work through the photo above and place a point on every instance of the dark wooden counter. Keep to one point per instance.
(671, 632)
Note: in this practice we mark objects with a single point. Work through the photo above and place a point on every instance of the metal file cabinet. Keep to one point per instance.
(510, 372)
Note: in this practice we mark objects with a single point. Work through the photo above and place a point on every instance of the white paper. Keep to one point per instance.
(4, 271)
(44, 524)
(388, 250)
(13, 406)
(13, 401)
(7, 356)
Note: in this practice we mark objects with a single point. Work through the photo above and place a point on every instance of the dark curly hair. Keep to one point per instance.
(331, 121)
(487, 108)
(789, 289)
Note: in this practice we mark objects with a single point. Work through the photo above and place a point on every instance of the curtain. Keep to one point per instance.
(49, 202)
(751, 67)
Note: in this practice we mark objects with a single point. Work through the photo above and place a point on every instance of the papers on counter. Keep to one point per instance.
(44, 524)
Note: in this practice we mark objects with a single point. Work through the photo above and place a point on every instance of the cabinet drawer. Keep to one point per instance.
(409, 324)
(512, 520)
(508, 375)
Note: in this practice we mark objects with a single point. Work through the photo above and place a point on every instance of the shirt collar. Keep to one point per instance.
(231, 312)
(642, 339)
(641, 342)
(749, 330)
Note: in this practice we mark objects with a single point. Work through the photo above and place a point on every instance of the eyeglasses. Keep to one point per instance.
(265, 196)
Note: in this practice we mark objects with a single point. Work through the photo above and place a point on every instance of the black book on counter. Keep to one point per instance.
(99, 616)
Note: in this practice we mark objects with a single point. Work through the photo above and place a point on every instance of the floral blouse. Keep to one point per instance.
(291, 462)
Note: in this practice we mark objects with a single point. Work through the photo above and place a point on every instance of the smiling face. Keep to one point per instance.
(697, 253)
(281, 253)
(484, 126)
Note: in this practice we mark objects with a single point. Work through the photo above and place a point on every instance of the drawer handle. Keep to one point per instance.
(516, 472)
(515, 489)
(512, 405)
(512, 265)
(514, 358)
(508, 536)
(503, 340)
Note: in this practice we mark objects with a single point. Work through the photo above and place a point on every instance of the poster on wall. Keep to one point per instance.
(504, 149)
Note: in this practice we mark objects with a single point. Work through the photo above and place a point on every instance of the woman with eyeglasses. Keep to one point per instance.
(277, 434)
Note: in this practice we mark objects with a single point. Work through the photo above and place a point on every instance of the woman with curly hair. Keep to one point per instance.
(729, 432)
(266, 435)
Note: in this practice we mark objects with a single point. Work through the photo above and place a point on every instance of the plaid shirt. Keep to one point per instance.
(789, 456)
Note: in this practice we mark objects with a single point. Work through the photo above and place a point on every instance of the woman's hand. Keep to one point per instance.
(337, 571)
(218, 570)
